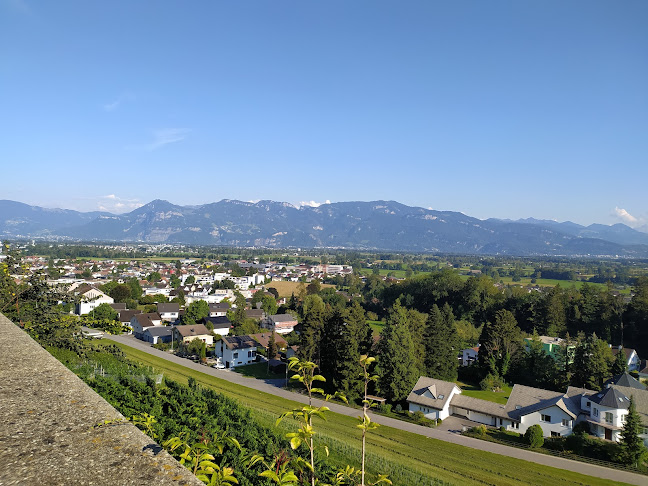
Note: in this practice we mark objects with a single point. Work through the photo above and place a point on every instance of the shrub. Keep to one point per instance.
(534, 436)
(385, 408)
(418, 415)
(479, 429)
(162, 346)
(438, 422)
(502, 428)
(581, 428)
(398, 408)
(491, 382)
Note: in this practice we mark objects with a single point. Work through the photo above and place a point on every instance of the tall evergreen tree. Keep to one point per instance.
(500, 340)
(620, 365)
(632, 446)
(397, 363)
(313, 318)
(441, 344)
(592, 361)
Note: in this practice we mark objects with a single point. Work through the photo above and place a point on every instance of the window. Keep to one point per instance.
(545, 418)
(588, 404)
(609, 418)
(623, 417)
(566, 422)
(555, 434)
(595, 412)
(515, 425)
(235, 355)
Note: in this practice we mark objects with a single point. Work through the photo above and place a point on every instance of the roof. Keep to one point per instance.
(118, 306)
(254, 313)
(283, 318)
(144, 320)
(219, 306)
(127, 315)
(192, 330)
(220, 321)
(526, 399)
(624, 379)
(431, 392)
(627, 351)
(574, 391)
(640, 398)
(263, 339)
(240, 342)
(478, 405)
(170, 307)
(612, 398)
(158, 331)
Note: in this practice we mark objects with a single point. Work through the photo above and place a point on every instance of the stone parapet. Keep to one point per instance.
(47, 427)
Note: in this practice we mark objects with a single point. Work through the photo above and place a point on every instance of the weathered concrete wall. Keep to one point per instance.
(47, 436)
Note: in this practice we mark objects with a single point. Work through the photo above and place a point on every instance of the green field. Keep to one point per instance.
(412, 458)
(377, 326)
(476, 392)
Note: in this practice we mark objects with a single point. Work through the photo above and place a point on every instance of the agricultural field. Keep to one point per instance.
(286, 288)
(408, 458)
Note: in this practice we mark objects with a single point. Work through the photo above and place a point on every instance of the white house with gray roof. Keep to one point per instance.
(555, 412)
(236, 350)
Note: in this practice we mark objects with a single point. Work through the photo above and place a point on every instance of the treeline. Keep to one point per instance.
(555, 311)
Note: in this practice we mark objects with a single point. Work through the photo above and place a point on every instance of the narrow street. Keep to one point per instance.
(448, 432)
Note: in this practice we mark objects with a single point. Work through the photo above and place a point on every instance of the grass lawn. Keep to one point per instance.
(476, 392)
(377, 326)
(408, 458)
(257, 370)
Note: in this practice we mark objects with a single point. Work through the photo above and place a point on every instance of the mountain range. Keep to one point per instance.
(374, 225)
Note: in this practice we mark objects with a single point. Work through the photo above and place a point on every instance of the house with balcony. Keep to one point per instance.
(236, 350)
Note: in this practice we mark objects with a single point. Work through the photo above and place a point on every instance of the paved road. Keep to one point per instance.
(441, 433)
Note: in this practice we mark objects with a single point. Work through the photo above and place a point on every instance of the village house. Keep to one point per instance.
(91, 298)
(187, 333)
(140, 322)
(221, 324)
(556, 413)
(281, 323)
(236, 350)
(169, 311)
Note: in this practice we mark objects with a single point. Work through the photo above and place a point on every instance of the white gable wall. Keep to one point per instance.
(555, 424)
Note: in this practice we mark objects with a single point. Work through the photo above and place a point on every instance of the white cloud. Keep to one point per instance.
(625, 216)
(639, 222)
(115, 204)
(163, 137)
(312, 204)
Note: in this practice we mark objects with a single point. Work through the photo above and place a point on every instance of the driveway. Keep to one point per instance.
(447, 434)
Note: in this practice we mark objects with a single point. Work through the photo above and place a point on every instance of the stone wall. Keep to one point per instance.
(47, 433)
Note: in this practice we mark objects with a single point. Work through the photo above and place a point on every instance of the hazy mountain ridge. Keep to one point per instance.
(385, 225)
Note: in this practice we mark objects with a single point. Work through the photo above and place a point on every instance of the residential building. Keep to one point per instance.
(236, 350)
(632, 359)
(281, 323)
(169, 311)
(221, 325)
(190, 332)
(553, 346)
(469, 356)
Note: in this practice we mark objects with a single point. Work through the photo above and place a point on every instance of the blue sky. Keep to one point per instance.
(495, 109)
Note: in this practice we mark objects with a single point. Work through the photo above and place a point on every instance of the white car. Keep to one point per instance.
(219, 366)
